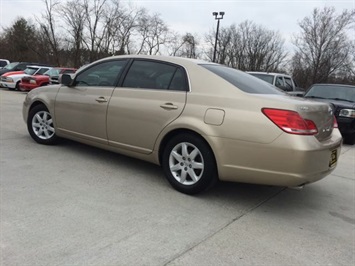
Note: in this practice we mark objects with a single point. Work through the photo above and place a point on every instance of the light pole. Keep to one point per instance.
(215, 14)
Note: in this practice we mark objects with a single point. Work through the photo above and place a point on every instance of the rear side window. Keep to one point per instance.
(242, 80)
(288, 82)
(155, 75)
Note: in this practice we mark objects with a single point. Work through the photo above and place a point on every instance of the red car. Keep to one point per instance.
(30, 83)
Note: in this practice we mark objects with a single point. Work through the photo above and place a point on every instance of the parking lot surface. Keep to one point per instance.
(73, 204)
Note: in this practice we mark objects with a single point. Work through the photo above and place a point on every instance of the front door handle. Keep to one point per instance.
(101, 100)
(169, 106)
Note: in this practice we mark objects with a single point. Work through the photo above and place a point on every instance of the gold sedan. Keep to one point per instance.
(202, 122)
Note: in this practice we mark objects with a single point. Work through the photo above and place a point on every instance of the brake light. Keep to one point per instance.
(335, 123)
(290, 121)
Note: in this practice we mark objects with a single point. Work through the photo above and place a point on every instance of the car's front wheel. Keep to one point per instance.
(189, 164)
(40, 125)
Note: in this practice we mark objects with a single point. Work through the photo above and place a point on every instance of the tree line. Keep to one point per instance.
(76, 32)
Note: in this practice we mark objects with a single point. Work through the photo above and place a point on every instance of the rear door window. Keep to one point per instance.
(146, 74)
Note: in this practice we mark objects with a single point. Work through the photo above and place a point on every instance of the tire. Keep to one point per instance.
(349, 139)
(189, 164)
(17, 86)
(40, 125)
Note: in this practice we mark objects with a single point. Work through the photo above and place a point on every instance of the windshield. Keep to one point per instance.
(335, 92)
(11, 65)
(52, 72)
(242, 80)
(30, 70)
(264, 77)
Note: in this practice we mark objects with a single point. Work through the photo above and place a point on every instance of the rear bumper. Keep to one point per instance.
(288, 161)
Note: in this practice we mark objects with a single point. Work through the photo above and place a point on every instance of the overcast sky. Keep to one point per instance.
(195, 16)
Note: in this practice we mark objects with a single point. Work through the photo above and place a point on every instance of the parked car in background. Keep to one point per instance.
(3, 63)
(342, 99)
(12, 81)
(201, 121)
(55, 73)
(15, 66)
(282, 81)
(49, 77)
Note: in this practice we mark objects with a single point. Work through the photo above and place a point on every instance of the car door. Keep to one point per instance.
(152, 95)
(80, 110)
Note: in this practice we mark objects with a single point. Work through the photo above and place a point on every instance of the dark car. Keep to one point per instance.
(342, 99)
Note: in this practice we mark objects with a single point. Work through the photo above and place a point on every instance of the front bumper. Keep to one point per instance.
(27, 86)
(10, 85)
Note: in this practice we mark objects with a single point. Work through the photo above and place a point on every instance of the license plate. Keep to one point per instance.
(333, 158)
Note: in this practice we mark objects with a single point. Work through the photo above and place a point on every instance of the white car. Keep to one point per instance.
(12, 80)
(4, 62)
(282, 81)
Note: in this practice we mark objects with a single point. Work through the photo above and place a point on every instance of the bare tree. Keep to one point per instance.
(73, 13)
(121, 23)
(248, 47)
(323, 46)
(183, 46)
(49, 29)
(153, 33)
(94, 11)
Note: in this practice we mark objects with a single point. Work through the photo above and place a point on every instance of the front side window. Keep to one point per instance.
(279, 82)
(155, 75)
(102, 74)
(288, 82)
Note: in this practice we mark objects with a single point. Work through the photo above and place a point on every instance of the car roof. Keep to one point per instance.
(268, 73)
(334, 84)
(34, 66)
(171, 59)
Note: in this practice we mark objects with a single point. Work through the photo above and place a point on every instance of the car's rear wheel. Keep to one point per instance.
(189, 164)
(40, 125)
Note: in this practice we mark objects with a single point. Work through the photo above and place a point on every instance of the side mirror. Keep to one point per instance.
(66, 80)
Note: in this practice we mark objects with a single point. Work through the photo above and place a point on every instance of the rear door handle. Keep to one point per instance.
(169, 106)
(101, 100)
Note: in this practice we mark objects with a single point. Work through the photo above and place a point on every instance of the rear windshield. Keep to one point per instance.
(242, 80)
(264, 77)
(11, 65)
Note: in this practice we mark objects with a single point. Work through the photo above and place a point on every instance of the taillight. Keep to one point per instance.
(291, 122)
(335, 123)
